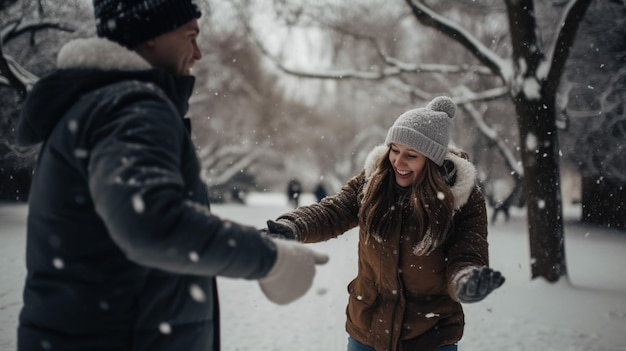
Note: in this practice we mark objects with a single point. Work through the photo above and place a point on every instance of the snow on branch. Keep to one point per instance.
(394, 66)
(12, 74)
(398, 66)
(568, 27)
(489, 58)
(487, 95)
(223, 162)
(17, 151)
(387, 72)
(465, 101)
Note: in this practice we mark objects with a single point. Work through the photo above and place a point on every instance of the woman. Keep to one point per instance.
(422, 240)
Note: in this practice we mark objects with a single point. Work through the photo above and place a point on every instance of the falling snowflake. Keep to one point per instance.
(81, 153)
(531, 142)
(58, 263)
(541, 204)
(138, 204)
(165, 328)
(197, 294)
(72, 126)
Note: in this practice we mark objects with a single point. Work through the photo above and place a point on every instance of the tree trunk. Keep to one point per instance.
(540, 155)
(604, 201)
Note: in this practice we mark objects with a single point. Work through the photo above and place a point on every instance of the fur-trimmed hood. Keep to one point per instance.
(99, 53)
(465, 172)
(85, 65)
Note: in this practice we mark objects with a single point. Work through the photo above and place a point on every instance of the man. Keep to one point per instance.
(122, 250)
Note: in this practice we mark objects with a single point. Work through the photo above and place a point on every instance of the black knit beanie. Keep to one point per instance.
(130, 22)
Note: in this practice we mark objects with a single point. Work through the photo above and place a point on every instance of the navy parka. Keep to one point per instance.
(122, 250)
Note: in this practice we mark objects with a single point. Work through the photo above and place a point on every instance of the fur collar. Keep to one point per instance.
(466, 173)
(99, 53)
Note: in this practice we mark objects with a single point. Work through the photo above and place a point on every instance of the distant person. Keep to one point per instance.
(122, 251)
(294, 189)
(320, 192)
(238, 195)
(423, 246)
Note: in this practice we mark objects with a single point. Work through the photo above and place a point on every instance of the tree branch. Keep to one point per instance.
(13, 74)
(569, 26)
(20, 27)
(465, 101)
(429, 18)
(18, 152)
(4, 4)
(394, 66)
(19, 81)
(229, 160)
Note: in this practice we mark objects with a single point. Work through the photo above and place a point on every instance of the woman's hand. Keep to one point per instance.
(280, 230)
(478, 282)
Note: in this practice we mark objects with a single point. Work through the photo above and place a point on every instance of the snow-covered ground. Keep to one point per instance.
(586, 313)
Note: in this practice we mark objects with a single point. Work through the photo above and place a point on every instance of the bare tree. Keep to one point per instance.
(242, 119)
(17, 25)
(12, 73)
(599, 148)
(533, 75)
(593, 109)
(28, 35)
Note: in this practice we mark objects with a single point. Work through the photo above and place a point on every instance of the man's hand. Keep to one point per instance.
(292, 274)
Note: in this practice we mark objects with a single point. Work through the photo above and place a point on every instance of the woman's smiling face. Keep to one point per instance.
(407, 164)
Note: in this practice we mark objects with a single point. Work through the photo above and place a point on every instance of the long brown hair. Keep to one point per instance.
(430, 201)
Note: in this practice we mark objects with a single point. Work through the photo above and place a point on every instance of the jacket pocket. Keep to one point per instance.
(362, 303)
(424, 312)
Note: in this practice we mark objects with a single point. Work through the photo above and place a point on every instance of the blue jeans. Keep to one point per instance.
(354, 345)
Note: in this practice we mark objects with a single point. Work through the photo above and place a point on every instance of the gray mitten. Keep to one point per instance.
(292, 273)
(475, 283)
(280, 230)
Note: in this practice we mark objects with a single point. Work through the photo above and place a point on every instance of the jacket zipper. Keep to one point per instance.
(395, 310)
(399, 293)
(398, 285)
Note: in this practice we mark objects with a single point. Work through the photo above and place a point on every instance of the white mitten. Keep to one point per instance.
(292, 274)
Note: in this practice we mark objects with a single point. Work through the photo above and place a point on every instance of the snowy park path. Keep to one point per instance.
(586, 313)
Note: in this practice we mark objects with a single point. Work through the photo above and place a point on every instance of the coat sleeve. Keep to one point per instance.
(135, 179)
(468, 244)
(330, 218)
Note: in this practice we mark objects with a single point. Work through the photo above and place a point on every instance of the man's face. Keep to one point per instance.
(175, 51)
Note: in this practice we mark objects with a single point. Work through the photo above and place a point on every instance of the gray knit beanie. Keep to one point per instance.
(130, 22)
(425, 130)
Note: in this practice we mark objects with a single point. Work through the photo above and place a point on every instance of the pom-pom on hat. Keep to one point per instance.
(425, 130)
(130, 22)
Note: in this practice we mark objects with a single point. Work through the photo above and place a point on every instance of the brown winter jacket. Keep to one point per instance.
(400, 300)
